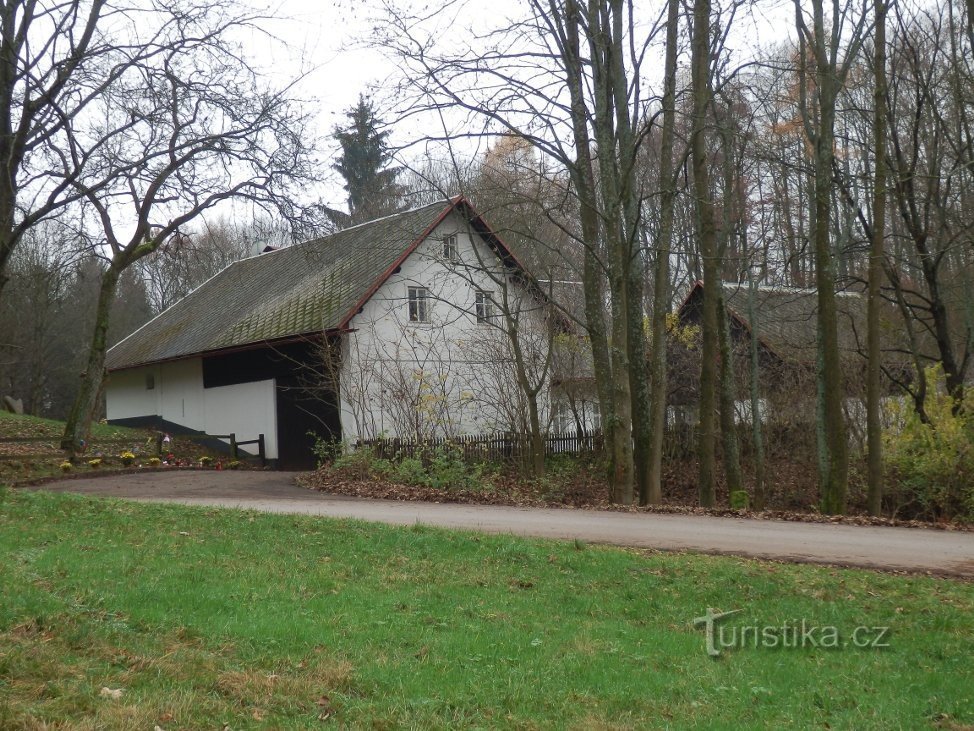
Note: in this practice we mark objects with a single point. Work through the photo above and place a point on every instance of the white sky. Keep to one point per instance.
(325, 40)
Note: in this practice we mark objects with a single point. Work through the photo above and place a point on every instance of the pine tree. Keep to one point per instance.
(364, 164)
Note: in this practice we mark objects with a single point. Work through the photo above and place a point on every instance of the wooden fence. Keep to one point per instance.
(481, 447)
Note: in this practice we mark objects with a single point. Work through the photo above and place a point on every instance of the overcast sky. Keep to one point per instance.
(326, 41)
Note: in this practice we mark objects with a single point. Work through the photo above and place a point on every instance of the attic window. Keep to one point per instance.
(150, 381)
(419, 305)
(484, 307)
(450, 252)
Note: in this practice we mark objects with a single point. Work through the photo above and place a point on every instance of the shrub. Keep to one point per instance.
(739, 500)
(328, 451)
(206, 461)
(66, 466)
(410, 471)
(359, 464)
(233, 464)
(447, 468)
(931, 465)
(440, 468)
(154, 461)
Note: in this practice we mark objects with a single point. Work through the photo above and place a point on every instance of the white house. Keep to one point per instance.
(395, 327)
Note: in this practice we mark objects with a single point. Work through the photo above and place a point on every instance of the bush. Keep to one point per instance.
(439, 468)
(328, 451)
(931, 465)
(739, 500)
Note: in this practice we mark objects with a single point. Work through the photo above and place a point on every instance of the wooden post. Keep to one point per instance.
(159, 438)
(233, 445)
(260, 450)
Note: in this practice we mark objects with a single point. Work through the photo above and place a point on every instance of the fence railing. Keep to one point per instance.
(481, 447)
(231, 437)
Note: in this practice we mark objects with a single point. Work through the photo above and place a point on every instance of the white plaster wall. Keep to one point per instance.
(246, 409)
(126, 395)
(181, 397)
(447, 368)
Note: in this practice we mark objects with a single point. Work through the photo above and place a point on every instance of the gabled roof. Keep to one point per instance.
(786, 320)
(296, 291)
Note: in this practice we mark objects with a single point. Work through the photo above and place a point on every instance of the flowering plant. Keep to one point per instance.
(127, 457)
(66, 466)
(94, 463)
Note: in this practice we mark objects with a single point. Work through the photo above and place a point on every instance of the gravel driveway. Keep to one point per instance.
(948, 553)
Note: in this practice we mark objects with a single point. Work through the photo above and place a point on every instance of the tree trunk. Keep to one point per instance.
(638, 377)
(615, 187)
(728, 425)
(86, 400)
(833, 447)
(661, 273)
(583, 178)
(706, 232)
(537, 438)
(874, 426)
(757, 435)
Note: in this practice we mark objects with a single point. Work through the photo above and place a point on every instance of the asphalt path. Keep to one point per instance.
(949, 553)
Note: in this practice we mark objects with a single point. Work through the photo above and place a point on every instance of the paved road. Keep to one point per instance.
(910, 549)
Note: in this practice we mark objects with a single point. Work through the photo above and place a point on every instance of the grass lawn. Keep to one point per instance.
(14, 425)
(207, 617)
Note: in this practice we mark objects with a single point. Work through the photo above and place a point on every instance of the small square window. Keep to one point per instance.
(150, 381)
(484, 306)
(419, 305)
(450, 252)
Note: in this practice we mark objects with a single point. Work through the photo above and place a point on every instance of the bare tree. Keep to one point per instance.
(588, 116)
(823, 46)
(179, 132)
(874, 426)
(702, 99)
(652, 491)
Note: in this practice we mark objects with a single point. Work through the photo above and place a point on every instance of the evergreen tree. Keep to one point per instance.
(373, 190)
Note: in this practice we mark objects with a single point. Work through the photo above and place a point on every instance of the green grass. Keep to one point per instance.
(209, 617)
(13, 425)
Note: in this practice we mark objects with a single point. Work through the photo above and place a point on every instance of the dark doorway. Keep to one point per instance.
(306, 406)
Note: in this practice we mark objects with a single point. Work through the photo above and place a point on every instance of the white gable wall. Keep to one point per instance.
(442, 378)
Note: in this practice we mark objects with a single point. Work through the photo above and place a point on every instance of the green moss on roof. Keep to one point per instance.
(302, 289)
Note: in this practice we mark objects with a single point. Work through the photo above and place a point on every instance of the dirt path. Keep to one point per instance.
(908, 549)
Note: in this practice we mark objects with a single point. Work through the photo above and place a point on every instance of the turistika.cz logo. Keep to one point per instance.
(798, 633)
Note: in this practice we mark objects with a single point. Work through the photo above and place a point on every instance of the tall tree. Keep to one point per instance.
(823, 46)
(53, 64)
(573, 98)
(179, 133)
(652, 490)
(707, 236)
(364, 163)
(874, 426)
